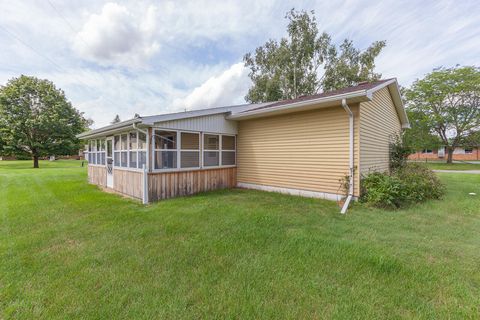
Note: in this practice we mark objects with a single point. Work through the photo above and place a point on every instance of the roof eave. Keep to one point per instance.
(358, 96)
(108, 129)
(394, 90)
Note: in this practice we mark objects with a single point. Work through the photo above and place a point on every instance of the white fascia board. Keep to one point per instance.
(380, 86)
(300, 104)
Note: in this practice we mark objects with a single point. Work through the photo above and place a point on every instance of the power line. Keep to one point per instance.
(67, 22)
(62, 16)
(11, 34)
(31, 48)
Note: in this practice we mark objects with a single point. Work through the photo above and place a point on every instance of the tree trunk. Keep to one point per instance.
(35, 161)
(449, 154)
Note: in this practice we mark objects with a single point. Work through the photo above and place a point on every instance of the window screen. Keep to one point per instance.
(165, 140)
(228, 143)
(210, 158)
(165, 159)
(210, 142)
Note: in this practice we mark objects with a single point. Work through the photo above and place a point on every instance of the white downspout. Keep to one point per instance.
(145, 167)
(351, 153)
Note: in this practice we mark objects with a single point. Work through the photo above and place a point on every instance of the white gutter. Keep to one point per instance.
(351, 153)
(145, 167)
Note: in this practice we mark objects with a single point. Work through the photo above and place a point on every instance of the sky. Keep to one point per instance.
(154, 57)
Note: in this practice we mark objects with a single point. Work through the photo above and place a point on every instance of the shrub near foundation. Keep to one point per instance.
(412, 183)
(383, 191)
(420, 183)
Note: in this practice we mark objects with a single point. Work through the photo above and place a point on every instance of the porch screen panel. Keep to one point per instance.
(165, 144)
(124, 150)
(211, 147)
(190, 150)
(228, 150)
(116, 153)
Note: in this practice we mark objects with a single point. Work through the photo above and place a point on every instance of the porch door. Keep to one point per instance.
(109, 162)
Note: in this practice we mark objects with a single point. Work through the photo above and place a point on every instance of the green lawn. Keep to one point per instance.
(437, 165)
(68, 250)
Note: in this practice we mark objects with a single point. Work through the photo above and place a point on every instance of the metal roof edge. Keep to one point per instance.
(112, 127)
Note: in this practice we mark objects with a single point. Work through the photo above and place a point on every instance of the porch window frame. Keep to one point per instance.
(218, 151)
(234, 150)
(155, 149)
(95, 152)
(128, 150)
(180, 150)
(201, 150)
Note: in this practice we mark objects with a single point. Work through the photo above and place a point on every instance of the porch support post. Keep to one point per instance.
(145, 185)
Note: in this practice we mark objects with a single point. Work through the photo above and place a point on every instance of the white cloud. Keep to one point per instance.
(117, 36)
(186, 50)
(225, 89)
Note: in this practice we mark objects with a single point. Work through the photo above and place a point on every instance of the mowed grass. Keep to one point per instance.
(437, 165)
(68, 250)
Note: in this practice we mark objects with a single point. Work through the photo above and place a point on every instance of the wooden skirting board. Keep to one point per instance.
(166, 185)
(97, 175)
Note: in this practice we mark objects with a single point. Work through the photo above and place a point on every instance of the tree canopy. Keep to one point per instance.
(420, 136)
(446, 105)
(36, 119)
(306, 62)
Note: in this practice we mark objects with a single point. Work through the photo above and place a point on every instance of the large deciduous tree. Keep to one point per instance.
(37, 119)
(447, 101)
(420, 136)
(307, 62)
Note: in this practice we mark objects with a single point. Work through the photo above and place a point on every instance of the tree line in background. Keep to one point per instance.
(37, 120)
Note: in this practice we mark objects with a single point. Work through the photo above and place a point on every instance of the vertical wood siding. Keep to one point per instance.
(306, 151)
(97, 175)
(173, 184)
(379, 123)
(127, 182)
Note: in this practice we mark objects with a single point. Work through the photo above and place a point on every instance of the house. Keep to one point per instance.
(465, 153)
(304, 146)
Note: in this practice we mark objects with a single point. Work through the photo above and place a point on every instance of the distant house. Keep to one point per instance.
(304, 146)
(436, 154)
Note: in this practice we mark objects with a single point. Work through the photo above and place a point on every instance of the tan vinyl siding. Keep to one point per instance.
(306, 151)
(379, 122)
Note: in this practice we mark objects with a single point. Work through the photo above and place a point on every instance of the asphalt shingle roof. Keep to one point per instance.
(361, 86)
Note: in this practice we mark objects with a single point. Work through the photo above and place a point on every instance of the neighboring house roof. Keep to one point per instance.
(359, 93)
